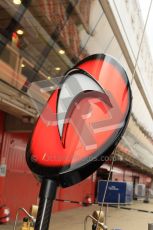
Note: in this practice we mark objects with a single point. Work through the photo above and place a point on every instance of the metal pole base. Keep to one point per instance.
(47, 195)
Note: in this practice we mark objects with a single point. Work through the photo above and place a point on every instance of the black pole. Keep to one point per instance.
(47, 195)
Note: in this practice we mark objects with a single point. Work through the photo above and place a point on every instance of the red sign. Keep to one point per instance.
(82, 122)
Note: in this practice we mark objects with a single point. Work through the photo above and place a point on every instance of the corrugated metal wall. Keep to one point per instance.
(77, 192)
(121, 173)
(1, 128)
(1, 160)
(19, 188)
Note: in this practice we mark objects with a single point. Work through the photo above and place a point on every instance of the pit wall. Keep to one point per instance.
(19, 187)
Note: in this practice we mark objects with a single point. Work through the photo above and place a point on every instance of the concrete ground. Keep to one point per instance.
(117, 218)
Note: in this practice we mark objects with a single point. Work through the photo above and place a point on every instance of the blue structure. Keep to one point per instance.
(121, 192)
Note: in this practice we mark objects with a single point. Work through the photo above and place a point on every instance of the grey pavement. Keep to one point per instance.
(116, 218)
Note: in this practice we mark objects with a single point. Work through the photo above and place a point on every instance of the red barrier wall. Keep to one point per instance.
(2, 117)
(19, 188)
(121, 173)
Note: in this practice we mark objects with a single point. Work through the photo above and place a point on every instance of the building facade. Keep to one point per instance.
(40, 41)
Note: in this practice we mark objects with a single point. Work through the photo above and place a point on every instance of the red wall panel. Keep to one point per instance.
(121, 173)
(20, 187)
(14, 146)
(2, 117)
(21, 190)
(1, 128)
(77, 192)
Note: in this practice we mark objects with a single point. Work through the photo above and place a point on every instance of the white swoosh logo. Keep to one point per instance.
(73, 86)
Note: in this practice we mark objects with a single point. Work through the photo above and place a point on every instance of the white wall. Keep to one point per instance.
(103, 40)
